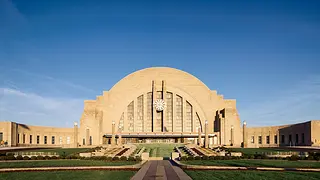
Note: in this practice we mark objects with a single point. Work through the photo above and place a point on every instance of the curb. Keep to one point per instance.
(75, 168)
(198, 167)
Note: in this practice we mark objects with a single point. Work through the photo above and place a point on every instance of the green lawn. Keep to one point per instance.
(250, 151)
(62, 163)
(158, 149)
(60, 151)
(67, 175)
(252, 175)
(256, 163)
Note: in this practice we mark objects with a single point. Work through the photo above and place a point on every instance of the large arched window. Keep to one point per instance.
(179, 115)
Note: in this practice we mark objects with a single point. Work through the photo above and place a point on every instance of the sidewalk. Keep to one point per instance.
(161, 169)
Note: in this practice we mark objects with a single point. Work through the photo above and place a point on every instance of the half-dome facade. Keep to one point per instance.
(160, 104)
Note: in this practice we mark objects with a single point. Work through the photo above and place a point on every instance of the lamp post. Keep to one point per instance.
(113, 138)
(206, 140)
(244, 135)
(231, 135)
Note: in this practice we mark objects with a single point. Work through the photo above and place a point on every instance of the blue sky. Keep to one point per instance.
(55, 54)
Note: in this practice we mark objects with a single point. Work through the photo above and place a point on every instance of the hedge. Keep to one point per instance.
(98, 158)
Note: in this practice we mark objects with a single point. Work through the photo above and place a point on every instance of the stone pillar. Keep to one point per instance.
(232, 134)
(174, 106)
(184, 102)
(135, 114)
(120, 137)
(164, 112)
(75, 135)
(244, 135)
(87, 136)
(145, 111)
(206, 140)
(113, 138)
(222, 131)
(199, 135)
(154, 111)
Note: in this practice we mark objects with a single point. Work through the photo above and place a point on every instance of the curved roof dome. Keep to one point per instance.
(171, 75)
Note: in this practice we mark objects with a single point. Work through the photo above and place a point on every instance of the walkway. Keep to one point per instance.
(160, 170)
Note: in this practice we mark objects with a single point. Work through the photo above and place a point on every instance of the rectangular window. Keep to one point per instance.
(60, 140)
(24, 139)
(18, 138)
(45, 139)
(275, 139)
(38, 139)
(252, 139)
(1, 136)
(30, 139)
(68, 140)
(52, 140)
(290, 139)
(90, 142)
(268, 139)
(282, 139)
(83, 141)
(260, 139)
(302, 138)
(297, 138)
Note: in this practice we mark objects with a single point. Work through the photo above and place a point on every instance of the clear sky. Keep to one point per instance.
(55, 54)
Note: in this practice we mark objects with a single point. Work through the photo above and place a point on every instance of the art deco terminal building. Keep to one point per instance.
(160, 104)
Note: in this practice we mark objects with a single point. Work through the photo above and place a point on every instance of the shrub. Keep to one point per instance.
(40, 158)
(257, 156)
(190, 158)
(205, 157)
(104, 158)
(19, 157)
(72, 157)
(10, 157)
(54, 157)
(138, 158)
(93, 158)
(197, 158)
(245, 156)
(10, 154)
(294, 158)
(109, 158)
(131, 158)
(47, 157)
(123, 158)
(233, 157)
(2, 158)
(115, 158)
(212, 157)
(33, 157)
(183, 158)
(26, 158)
(226, 157)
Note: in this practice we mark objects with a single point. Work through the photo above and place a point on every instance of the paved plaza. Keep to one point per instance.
(163, 169)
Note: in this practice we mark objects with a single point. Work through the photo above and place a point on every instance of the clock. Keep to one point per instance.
(159, 104)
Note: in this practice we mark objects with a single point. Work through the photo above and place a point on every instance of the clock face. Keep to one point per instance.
(159, 104)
